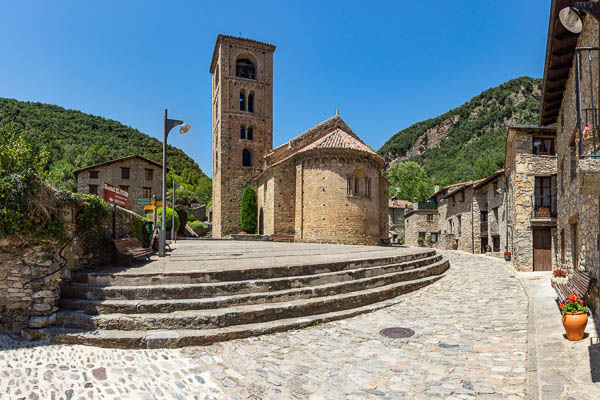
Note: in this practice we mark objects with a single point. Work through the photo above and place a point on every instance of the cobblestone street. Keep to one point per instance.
(470, 342)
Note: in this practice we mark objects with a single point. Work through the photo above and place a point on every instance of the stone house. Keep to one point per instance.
(531, 192)
(469, 215)
(139, 176)
(571, 70)
(396, 210)
(324, 185)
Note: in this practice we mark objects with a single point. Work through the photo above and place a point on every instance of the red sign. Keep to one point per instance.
(116, 195)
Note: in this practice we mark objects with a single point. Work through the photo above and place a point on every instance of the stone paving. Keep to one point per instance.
(564, 369)
(470, 342)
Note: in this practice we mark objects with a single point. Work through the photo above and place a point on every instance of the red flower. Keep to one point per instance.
(580, 301)
(561, 306)
(572, 297)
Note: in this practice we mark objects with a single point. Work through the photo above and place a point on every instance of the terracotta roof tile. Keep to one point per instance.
(338, 139)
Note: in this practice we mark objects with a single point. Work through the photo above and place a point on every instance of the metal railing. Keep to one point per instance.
(544, 207)
(587, 117)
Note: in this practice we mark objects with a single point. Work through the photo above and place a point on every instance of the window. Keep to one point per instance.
(93, 174)
(251, 102)
(242, 101)
(434, 237)
(250, 133)
(543, 146)
(495, 186)
(484, 217)
(495, 211)
(368, 187)
(461, 197)
(450, 224)
(242, 132)
(459, 225)
(149, 174)
(246, 158)
(124, 173)
(245, 69)
(429, 217)
(573, 159)
(349, 185)
(562, 246)
(543, 196)
(356, 192)
(147, 192)
(124, 187)
(422, 235)
(93, 189)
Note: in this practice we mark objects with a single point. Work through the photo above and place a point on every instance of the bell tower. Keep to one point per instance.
(242, 123)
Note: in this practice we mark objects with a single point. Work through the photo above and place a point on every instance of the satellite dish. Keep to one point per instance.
(571, 19)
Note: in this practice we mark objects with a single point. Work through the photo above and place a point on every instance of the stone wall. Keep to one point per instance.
(135, 184)
(417, 221)
(27, 304)
(230, 177)
(578, 212)
(458, 209)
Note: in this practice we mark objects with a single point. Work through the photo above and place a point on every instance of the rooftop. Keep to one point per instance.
(116, 160)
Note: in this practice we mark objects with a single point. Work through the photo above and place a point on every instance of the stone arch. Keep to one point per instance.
(245, 68)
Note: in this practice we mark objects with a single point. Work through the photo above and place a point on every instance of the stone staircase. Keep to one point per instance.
(154, 310)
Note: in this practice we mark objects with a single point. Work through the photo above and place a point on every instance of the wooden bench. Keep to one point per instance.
(130, 248)
(578, 284)
(282, 237)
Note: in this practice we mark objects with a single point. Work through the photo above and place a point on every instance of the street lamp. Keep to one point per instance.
(168, 125)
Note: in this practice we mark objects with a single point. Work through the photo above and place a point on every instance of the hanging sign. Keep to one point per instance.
(115, 195)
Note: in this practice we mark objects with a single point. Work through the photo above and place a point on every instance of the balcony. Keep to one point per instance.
(544, 207)
(587, 137)
(483, 228)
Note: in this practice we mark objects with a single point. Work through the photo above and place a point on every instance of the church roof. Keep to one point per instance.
(339, 139)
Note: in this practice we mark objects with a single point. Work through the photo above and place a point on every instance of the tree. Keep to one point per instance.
(168, 221)
(249, 214)
(409, 180)
(16, 155)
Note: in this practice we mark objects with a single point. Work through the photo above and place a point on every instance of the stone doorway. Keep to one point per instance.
(484, 242)
(542, 249)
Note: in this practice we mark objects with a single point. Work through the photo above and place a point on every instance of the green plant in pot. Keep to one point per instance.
(420, 241)
(574, 317)
(429, 241)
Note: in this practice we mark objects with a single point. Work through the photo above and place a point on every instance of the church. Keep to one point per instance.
(323, 186)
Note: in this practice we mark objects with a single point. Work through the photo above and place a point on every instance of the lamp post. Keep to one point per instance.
(168, 125)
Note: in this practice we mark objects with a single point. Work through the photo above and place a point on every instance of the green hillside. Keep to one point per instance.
(75, 140)
(467, 142)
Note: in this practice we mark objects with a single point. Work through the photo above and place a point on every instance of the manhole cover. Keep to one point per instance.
(397, 332)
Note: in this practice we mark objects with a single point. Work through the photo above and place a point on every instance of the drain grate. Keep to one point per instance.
(397, 333)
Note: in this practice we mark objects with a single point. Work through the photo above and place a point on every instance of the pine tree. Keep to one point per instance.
(249, 210)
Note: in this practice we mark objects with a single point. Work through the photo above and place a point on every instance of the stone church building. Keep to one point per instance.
(324, 185)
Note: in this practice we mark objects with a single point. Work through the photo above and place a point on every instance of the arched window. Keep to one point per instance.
(245, 69)
(243, 132)
(246, 158)
(242, 101)
(250, 133)
(251, 102)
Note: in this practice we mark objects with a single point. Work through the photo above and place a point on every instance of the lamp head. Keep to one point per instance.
(570, 18)
(184, 128)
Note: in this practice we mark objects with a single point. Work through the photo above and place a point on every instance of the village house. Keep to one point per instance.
(466, 216)
(137, 175)
(324, 185)
(396, 210)
(531, 193)
(570, 97)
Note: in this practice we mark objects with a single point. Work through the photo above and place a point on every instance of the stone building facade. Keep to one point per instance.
(242, 123)
(324, 186)
(396, 210)
(531, 193)
(138, 175)
(468, 215)
(577, 149)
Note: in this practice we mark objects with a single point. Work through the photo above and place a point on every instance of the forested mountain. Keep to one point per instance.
(75, 140)
(467, 142)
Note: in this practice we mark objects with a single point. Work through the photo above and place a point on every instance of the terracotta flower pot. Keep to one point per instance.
(574, 324)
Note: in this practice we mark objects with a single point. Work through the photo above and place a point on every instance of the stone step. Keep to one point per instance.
(242, 274)
(206, 290)
(240, 315)
(153, 339)
(144, 305)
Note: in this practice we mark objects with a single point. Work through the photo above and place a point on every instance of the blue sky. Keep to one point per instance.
(384, 65)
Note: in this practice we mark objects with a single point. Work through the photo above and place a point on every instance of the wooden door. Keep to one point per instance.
(542, 250)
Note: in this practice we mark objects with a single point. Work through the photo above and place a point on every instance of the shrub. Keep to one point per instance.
(168, 221)
(191, 218)
(197, 224)
(249, 212)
